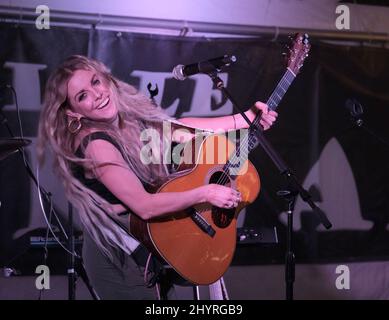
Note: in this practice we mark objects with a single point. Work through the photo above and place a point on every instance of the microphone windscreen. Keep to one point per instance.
(177, 72)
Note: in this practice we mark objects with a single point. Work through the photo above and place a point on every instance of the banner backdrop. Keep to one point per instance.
(344, 167)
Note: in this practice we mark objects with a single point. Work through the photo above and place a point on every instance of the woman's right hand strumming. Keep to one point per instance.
(221, 196)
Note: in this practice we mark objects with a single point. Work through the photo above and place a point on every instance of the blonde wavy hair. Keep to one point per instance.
(135, 111)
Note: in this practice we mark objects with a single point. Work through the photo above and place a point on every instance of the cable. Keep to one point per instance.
(46, 252)
(147, 269)
(48, 224)
(17, 110)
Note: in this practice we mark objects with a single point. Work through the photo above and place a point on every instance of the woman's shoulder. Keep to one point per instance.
(92, 134)
(87, 136)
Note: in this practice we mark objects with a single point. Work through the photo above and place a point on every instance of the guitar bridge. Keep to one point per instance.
(202, 223)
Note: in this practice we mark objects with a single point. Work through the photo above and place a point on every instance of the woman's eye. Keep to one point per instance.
(81, 96)
(96, 81)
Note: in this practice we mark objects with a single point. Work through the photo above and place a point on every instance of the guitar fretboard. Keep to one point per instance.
(278, 93)
(273, 102)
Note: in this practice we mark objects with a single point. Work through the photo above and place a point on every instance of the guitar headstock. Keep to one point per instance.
(298, 52)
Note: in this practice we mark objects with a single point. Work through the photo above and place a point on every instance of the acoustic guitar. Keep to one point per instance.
(199, 242)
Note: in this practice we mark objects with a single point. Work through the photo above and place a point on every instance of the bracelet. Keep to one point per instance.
(233, 116)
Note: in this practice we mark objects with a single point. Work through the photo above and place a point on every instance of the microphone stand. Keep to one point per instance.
(76, 269)
(290, 197)
(295, 187)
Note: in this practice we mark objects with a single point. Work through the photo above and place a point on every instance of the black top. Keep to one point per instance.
(79, 171)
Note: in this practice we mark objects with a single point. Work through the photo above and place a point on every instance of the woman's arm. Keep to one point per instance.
(233, 122)
(126, 186)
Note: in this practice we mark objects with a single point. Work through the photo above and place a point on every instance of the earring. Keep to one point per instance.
(74, 125)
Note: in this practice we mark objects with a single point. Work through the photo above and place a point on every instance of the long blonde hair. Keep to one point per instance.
(135, 111)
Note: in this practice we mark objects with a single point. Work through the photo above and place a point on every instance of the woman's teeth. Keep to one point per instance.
(103, 104)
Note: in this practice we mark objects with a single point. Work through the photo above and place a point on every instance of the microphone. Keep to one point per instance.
(181, 72)
(355, 109)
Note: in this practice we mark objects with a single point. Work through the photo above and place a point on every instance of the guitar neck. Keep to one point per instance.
(278, 93)
(251, 140)
(272, 102)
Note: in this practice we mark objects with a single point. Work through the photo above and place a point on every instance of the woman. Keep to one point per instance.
(93, 123)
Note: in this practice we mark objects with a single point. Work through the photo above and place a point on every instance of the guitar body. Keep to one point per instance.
(194, 254)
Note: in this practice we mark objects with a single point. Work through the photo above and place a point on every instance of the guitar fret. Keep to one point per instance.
(286, 80)
(288, 77)
(273, 101)
(284, 88)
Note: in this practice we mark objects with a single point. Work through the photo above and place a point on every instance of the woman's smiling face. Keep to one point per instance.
(90, 96)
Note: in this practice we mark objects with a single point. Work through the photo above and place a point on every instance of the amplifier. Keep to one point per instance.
(40, 242)
(257, 235)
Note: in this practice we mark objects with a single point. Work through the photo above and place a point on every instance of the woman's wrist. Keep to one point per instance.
(201, 195)
(251, 113)
(240, 122)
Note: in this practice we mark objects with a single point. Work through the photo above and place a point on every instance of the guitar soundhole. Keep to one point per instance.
(221, 217)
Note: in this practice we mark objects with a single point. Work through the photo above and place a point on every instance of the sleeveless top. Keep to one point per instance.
(93, 183)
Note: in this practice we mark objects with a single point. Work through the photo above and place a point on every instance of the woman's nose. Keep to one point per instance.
(98, 94)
